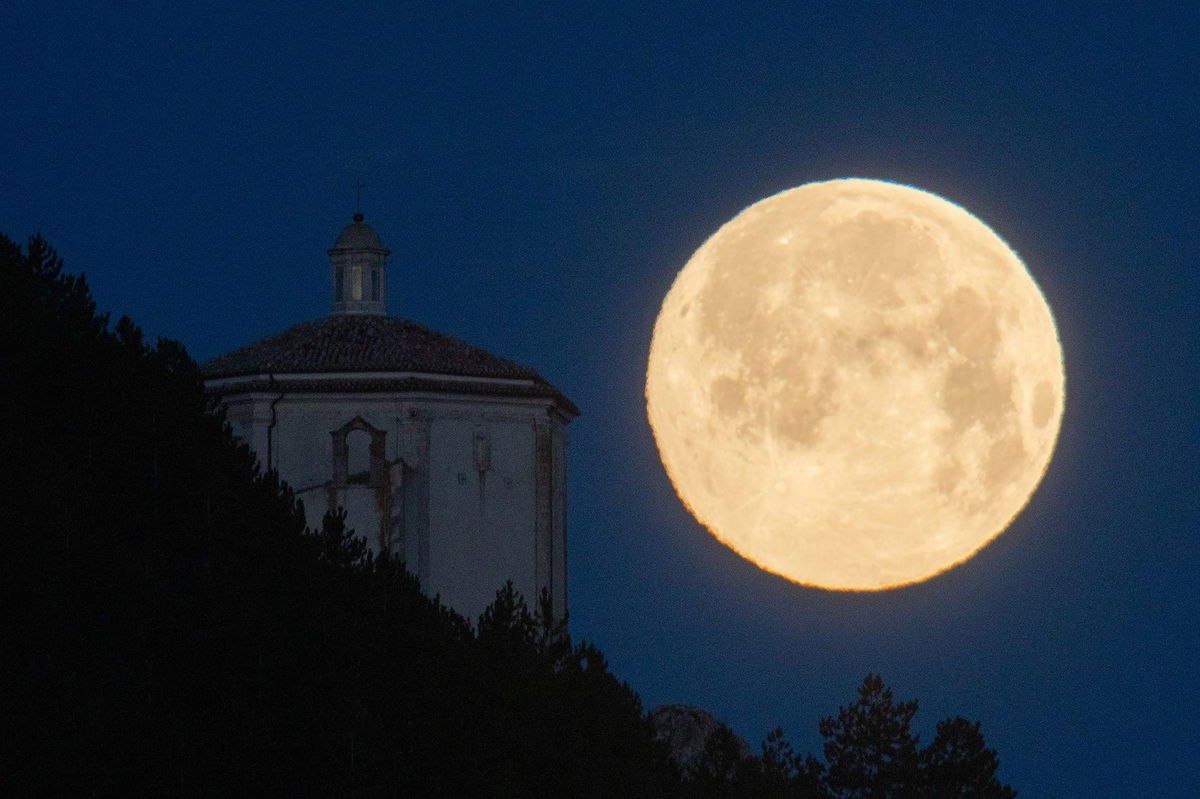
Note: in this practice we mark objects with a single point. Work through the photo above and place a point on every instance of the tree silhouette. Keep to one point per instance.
(171, 627)
(873, 754)
(788, 775)
(724, 771)
(958, 764)
(336, 543)
(870, 748)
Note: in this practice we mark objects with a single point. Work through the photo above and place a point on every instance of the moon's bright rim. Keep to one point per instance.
(855, 384)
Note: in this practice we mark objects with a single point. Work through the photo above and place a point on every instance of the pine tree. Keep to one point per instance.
(870, 748)
(788, 775)
(958, 764)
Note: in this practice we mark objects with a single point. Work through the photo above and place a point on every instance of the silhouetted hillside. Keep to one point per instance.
(171, 628)
(177, 630)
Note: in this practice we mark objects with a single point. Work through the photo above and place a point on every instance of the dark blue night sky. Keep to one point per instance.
(541, 175)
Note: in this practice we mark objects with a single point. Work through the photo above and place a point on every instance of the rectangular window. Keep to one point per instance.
(338, 277)
(375, 278)
(356, 283)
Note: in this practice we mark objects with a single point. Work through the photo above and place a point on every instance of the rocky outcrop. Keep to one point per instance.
(687, 730)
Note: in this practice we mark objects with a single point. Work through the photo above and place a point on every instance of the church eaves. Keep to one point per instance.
(362, 344)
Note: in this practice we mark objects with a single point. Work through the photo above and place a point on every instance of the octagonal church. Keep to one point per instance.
(442, 454)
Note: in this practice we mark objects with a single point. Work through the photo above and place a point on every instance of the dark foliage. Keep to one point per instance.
(958, 764)
(170, 627)
(870, 752)
(869, 746)
(723, 770)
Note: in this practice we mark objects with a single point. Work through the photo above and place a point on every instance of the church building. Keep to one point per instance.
(442, 454)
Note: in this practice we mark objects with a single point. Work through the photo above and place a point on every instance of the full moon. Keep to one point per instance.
(855, 384)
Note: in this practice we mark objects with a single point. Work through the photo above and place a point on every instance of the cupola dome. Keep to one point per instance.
(358, 235)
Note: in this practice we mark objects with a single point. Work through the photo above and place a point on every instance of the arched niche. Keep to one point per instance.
(352, 466)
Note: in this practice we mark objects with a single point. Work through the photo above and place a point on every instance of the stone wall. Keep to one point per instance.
(470, 491)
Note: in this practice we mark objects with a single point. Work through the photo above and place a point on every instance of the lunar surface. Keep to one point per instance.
(855, 384)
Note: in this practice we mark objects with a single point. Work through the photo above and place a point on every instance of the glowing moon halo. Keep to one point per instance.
(855, 384)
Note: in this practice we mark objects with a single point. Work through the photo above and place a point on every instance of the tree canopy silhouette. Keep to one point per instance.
(869, 745)
(870, 752)
(176, 628)
(171, 627)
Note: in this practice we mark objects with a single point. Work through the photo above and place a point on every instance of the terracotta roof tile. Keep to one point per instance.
(368, 343)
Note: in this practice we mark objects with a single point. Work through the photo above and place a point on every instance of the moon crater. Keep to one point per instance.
(855, 384)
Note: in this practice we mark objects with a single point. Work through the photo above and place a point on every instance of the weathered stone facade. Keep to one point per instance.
(444, 455)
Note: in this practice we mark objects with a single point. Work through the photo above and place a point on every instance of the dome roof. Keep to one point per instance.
(358, 235)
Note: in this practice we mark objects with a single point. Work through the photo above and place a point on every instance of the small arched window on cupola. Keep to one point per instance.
(359, 454)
